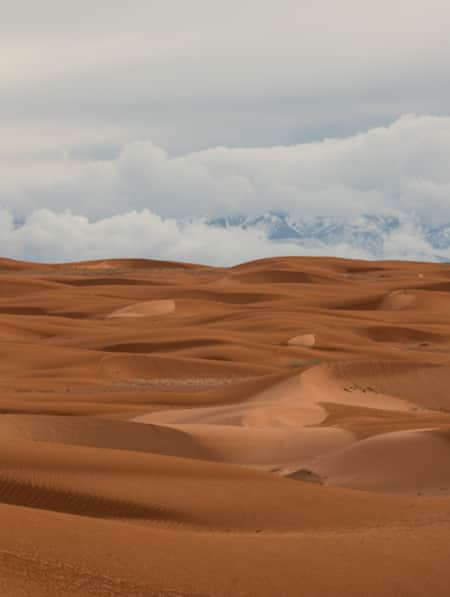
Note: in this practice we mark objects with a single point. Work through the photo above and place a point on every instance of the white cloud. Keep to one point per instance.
(51, 237)
(125, 115)
(144, 202)
(401, 168)
(67, 237)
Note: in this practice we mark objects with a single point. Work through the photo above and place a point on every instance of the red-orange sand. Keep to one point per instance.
(279, 428)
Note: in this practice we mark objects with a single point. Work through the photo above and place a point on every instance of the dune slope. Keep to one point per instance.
(281, 427)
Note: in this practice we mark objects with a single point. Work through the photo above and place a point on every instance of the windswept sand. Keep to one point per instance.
(146, 309)
(280, 428)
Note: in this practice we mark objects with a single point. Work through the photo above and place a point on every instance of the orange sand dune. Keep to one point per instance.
(414, 461)
(147, 309)
(281, 427)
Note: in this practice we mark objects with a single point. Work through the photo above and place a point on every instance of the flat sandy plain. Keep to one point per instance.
(279, 428)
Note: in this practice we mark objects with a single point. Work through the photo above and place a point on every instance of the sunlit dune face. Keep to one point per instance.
(223, 419)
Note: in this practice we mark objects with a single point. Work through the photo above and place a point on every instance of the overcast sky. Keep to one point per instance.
(200, 107)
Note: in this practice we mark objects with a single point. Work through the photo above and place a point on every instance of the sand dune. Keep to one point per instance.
(98, 433)
(281, 427)
(394, 334)
(423, 384)
(306, 340)
(154, 367)
(395, 301)
(279, 276)
(405, 461)
(147, 309)
(13, 265)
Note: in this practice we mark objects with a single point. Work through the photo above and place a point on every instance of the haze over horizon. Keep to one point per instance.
(133, 132)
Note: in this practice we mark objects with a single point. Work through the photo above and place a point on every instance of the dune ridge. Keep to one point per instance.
(280, 427)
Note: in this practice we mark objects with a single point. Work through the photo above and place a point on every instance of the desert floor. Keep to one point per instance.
(279, 428)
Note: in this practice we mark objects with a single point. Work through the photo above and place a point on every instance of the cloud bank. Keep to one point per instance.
(50, 237)
(402, 167)
(144, 202)
(143, 124)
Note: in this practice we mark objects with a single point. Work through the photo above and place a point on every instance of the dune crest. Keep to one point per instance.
(395, 301)
(274, 428)
(306, 340)
(146, 309)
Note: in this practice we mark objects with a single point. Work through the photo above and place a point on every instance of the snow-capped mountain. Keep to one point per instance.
(439, 238)
(374, 235)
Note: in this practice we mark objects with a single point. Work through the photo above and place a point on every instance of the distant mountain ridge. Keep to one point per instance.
(369, 233)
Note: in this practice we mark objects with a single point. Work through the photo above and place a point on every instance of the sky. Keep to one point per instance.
(120, 120)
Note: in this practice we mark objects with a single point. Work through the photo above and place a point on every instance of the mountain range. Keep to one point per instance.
(371, 234)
